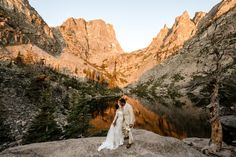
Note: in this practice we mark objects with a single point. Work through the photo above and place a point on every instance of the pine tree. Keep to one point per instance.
(78, 119)
(4, 132)
(219, 54)
(43, 127)
(19, 60)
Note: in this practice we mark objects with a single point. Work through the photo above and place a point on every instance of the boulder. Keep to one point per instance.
(229, 129)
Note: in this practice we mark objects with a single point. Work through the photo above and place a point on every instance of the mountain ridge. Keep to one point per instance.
(92, 45)
(185, 78)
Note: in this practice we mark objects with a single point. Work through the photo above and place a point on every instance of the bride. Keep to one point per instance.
(115, 137)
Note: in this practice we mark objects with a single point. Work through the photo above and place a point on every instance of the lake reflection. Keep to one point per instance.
(103, 112)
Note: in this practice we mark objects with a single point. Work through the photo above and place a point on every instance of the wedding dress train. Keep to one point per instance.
(115, 137)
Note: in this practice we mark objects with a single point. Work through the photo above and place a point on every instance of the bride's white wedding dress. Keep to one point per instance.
(115, 137)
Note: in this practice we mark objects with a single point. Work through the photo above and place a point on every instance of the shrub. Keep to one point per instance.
(4, 132)
(178, 77)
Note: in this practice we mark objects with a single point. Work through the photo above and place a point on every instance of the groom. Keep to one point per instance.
(129, 120)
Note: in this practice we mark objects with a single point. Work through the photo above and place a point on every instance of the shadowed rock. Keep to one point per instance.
(229, 129)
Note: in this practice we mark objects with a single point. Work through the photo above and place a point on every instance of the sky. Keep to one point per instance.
(136, 22)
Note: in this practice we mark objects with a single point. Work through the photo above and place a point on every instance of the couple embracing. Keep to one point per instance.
(121, 127)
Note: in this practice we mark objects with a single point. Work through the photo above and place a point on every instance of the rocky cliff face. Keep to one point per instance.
(81, 46)
(198, 16)
(94, 40)
(216, 12)
(21, 24)
(186, 78)
(92, 45)
(128, 68)
(167, 42)
(181, 31)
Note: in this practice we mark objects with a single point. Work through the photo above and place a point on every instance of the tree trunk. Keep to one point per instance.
(216, 128)
(215, 143)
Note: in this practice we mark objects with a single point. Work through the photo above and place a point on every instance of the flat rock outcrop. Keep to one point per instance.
(146, 144)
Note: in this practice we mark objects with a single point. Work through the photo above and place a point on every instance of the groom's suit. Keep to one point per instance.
(129, 119)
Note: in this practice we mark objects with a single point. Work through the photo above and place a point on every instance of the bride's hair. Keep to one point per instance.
(122, 101)
(116, 106)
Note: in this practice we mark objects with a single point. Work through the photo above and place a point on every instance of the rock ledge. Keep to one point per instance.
(146, 144)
